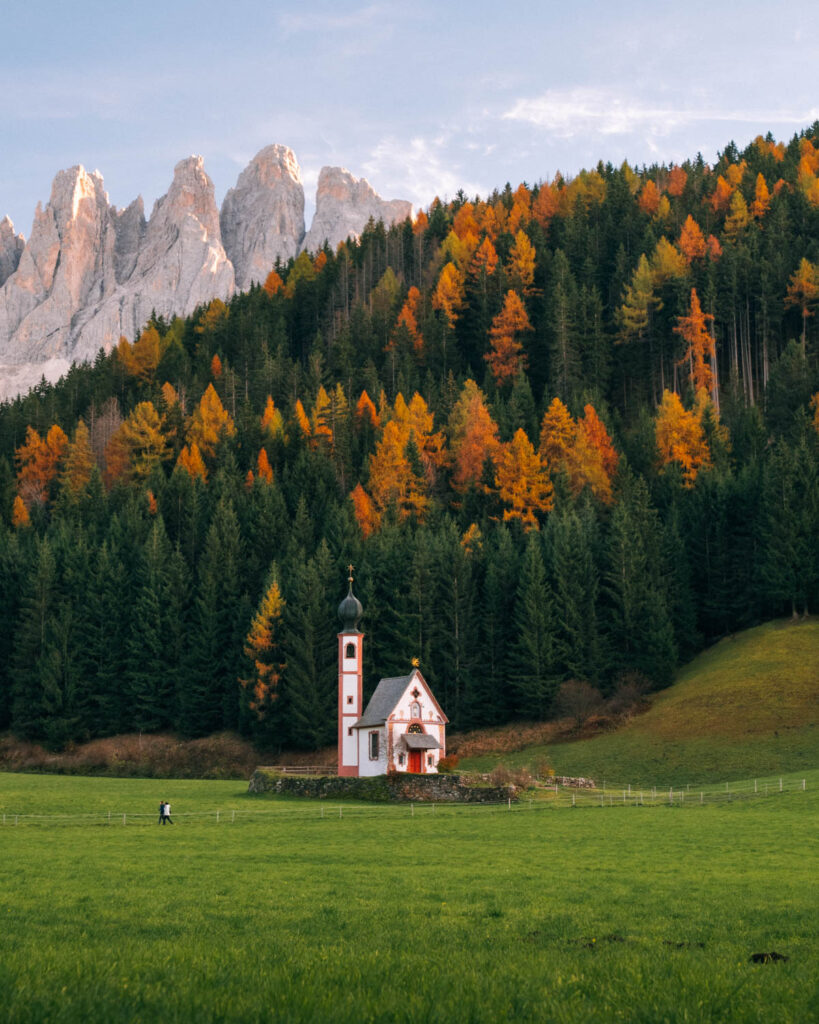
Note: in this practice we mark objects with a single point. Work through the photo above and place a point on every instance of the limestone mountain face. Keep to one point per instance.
(11, 249)
(91, 273)
(344, 204)
(262, 218)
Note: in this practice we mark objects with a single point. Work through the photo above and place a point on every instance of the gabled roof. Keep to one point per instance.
(387, 694)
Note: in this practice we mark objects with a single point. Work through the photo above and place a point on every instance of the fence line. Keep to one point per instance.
(547, 799)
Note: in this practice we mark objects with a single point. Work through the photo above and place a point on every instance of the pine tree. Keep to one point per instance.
(533, 671)
(310, 678)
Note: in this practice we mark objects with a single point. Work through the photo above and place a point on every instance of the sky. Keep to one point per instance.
(420, 97)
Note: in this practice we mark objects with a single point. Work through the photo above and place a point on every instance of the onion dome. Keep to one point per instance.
(350, 612)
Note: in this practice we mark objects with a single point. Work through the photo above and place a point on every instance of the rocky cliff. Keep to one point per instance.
(90, 273)
(344, 204)
(263, 216)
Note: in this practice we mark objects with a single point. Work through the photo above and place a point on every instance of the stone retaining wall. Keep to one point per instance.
(396, 787)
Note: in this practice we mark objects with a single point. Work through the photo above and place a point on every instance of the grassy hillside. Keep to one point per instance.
(747, 706)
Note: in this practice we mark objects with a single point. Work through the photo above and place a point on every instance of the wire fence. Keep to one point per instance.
(543, 798)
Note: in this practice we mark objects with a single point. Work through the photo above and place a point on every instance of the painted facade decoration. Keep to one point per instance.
(402, 728)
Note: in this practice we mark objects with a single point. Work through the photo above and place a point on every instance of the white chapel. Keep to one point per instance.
(402, 728)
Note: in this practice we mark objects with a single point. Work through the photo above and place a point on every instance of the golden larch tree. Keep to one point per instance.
(79, 462)
(520, 268)
(263, 651)
(692, 240)
(210, 423)
(138, 447)
(677, 179)
(366, 514)
(506, 357)
(476, 441)
(649, 198)
(680, 438)
(448, 296)
(190, 459)
(762, 197)
(700, 351)
(264, 471)
(37, 461)
(19, 513)
(523, 482)
(272, 419)
(803, 292)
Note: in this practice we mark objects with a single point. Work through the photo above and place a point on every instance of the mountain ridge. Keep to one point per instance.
(91, 273)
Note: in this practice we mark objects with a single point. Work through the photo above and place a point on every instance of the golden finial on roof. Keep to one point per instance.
(415, 663)
(350, 571)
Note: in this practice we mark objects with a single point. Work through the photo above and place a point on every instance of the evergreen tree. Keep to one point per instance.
(533, 669)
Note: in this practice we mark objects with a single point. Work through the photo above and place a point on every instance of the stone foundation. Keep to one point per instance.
(394, 788)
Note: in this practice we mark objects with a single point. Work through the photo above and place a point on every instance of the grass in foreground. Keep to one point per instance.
(747, 706)
(465, 914)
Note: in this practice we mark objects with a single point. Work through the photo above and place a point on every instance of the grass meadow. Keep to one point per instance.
(387, 913)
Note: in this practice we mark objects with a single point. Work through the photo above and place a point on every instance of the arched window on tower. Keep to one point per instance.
(349, 651)
(415, 709)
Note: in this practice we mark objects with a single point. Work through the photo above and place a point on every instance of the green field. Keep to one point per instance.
(746, 707)
(392, 914)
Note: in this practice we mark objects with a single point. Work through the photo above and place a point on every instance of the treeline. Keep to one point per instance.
(567, 432)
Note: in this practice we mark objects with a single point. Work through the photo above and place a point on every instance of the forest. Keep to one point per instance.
(565, 432)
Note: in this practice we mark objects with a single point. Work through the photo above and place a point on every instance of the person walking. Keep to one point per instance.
(161, 813)
(166, 813)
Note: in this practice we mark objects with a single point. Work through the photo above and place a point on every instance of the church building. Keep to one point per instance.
(402, 728)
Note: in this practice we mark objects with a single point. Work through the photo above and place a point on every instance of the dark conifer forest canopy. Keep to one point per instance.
(567, 431)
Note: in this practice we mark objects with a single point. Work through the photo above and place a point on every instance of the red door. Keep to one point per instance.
(415, 761)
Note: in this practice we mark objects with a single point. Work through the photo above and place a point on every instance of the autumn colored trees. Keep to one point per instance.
(567, 432)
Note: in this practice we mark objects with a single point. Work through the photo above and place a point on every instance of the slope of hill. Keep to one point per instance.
(747, 706)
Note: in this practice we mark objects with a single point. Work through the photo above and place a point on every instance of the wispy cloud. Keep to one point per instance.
(567, 113)
(319, 22)
(417, 169)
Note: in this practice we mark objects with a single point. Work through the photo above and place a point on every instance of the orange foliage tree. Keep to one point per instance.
(190, 459)
(597, 435)
(210, 423)
(700, 353)
(79, 462)
(264, 471)
(19, 513)
(692, 240)
(473, 437)
(142, 358)
(216, 366)
(721, 196)
(523, 482)
(262, 650)
(762, 197)
(520, 269)
(272, 420)
(138, 447)
(649, 198)
(273, 284)
(37, 460)
(366, 514)
(677, 179)
(506, 356)
(448, 296)
(803, 292)
(680, 438)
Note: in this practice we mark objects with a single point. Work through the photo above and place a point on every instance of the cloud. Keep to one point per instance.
(417, 169)
(319, 22)
(571, 112)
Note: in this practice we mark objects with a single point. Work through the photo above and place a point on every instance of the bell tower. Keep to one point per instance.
(350, 678)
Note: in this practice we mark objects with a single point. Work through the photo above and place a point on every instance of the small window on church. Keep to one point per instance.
(430, 760)
(350, 700)
(350, 731)
(373, 746)
(350, 651)
(415, 709)
(401, 759)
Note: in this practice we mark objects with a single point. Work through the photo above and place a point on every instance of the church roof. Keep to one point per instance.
(383, 701)
(387, 694)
